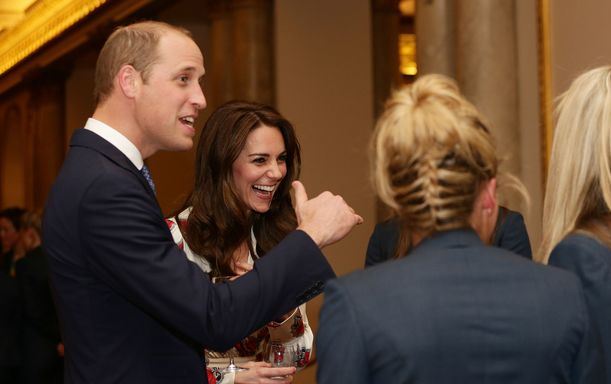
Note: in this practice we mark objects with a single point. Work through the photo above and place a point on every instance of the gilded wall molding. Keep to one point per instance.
(44, 22)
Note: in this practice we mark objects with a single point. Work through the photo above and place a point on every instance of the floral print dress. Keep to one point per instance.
(294, 332)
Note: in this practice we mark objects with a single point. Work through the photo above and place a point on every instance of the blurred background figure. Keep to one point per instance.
(9, 233)
(577, 208)
(10, 299)
(454, 309)
(10, 327)
(40, 329)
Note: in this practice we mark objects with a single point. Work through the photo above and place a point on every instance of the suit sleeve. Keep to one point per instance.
(513, 236)
(129, 246)
(340, 346)
(589, 366)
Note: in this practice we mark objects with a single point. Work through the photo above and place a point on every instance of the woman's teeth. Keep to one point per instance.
(264, 188)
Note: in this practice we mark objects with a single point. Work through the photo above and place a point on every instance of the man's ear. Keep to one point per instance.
(128, 81)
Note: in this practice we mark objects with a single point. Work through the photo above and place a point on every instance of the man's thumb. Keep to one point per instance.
(300, 193)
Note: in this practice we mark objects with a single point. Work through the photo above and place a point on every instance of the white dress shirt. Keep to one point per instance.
(117, 139)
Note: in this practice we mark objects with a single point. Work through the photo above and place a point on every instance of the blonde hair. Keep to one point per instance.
(134, 45)
(431, 151)
(579, 178)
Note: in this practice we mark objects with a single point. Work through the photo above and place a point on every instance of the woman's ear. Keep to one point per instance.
(128, 81)
(485, 211)
(489, 200)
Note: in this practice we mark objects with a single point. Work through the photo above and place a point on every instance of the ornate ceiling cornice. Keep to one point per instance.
(45, 21)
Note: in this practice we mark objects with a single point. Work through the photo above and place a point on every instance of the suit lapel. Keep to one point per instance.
(87, 139)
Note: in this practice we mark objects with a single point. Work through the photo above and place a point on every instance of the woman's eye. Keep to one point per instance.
(282, 158)
(259, 160)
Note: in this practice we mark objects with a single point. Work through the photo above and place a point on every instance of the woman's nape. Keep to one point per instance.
(434, 161)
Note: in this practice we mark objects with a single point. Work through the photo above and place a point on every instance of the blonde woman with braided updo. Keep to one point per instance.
(577, 209)
(454, 310)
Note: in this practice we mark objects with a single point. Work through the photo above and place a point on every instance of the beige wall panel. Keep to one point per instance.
(580, 36)
(528, 106)
(324, 86)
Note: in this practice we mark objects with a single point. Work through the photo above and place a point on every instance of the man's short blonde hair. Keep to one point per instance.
(134, 45)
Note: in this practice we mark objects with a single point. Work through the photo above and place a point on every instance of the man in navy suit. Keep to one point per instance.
(132, 308)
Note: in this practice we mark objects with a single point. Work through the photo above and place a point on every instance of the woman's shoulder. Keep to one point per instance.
(582, 240)
(175, 224)
(580, 250)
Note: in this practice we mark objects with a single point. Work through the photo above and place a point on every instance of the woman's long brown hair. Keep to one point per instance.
(219, 221)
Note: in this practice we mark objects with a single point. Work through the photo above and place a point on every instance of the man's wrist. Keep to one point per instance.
(313, 234)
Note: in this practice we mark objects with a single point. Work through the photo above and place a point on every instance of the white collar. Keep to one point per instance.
(117, 139)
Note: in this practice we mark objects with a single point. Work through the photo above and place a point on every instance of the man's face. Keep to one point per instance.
(168, 102)
(8, 234)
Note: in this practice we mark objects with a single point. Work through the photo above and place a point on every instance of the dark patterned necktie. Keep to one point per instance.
(147, 175)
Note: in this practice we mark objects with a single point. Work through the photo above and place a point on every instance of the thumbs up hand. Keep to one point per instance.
(326, 218)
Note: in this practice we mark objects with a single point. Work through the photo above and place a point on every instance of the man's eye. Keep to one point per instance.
(183, 79)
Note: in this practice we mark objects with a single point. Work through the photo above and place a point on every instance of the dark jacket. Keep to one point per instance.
(457, 311)
(510, 234)
(590, 260)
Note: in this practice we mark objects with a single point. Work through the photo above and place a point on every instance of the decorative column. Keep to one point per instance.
(435, 37)
(385, 30)
(486, 68)
(385, 20)
(47, 127)
(253, 56)
(13, 153)
(241, 61)
(219, 68)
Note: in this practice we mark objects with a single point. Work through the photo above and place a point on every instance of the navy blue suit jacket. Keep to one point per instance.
(132, 308)
(510, 234)
(457, 311)
(591, 262)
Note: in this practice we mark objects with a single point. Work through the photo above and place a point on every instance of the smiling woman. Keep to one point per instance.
(260, 168)
(239, 209)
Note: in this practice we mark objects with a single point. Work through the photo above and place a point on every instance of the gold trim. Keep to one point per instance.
(407, 54)
(545, 83)
(45, 21)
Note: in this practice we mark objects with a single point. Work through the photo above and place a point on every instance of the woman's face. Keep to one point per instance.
(260, 167)
(8, 234)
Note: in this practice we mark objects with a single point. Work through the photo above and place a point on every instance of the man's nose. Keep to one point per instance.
(198, 98)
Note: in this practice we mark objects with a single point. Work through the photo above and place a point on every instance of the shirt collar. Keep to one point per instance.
(117, 139)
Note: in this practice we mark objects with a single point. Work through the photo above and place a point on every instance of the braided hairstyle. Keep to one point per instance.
(431, 151)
